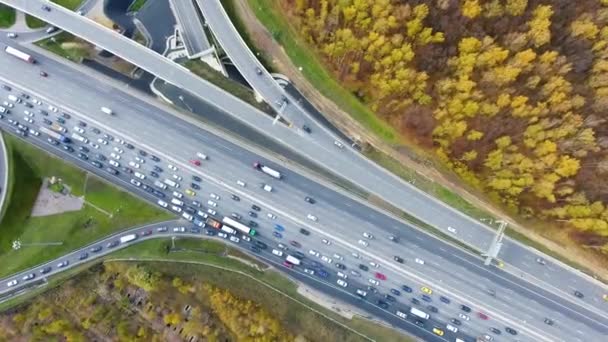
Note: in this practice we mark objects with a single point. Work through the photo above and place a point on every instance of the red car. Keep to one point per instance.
(380, 276)
(146, 233)
(482, 316)
(195, 162)
(287, 264)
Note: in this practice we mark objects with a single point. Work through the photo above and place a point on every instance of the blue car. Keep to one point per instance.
(322, 273)
(277, 235)
(426, 298)
(279, 227)
(445, 299)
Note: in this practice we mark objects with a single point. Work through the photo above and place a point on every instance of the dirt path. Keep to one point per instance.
(282, 63)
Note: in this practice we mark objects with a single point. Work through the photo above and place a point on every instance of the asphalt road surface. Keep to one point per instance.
(227, 162)
(191, 28)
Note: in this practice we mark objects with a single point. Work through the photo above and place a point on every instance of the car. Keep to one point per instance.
(304, 232)
(363, 267)
(312, 217)
(140, 160)
(112, 171)
(368, 235)
(97, 164)
(415, 301)
(191, 192)
(112, 244)
(482, 316)
(374, 264)
(325, 241)
(95, 130)
(153, 174)
(306, 129)
(252, 214)
(135, 182)
(398, 259)
(382, 304)
(464, 317)
(68, 148)
(451, 328)
(495, 330)
(114, 163)
(419, 261)
(195, 186)
(548, 321)
(322, 273)
(63, 264)
(390, 298)
(83, 256)
(271, 216)
(154, 158)
(179, 229)
(45, 270)
(465, 308)
(355, 255)
(46, 8)
(234, 239)
(438, 332)
(83, 156)
(12, 283)
(406, 288)
(511, 331)
(313, 252)
(277, 235)
(43, 73)
(211, 203)
(102, 141)
(432, 309)
(487, 338)
(380, 276)
(342, 283)
(426, 298)
(326, 259)
(79, 130)
(134, 164)
(298, 255)
(373, 281)
(363, 243)
(338, 144)
(261, 244)
(295, 243)
(32, 132)
(255, 207)
(309, 271)
(338, 256)
(28, 119)
(235, 197)
(86, 150)
(172, 167)
(426, 290)
(309, 200)
(253, 224)
(222, 235)
(95, 146)
(195, 162)
(455, 321)
(214, 196)
(578, 294)
(29, 276)
(395, 292)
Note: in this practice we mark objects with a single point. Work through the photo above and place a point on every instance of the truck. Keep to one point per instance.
(58, 128)
(214, 223)
(171, 183)
(419, 313)
(19, 54)
(127, 238)
(107, 110)
(14, 98)
(267, 170)
(60, 137)
(292, 260)
(228, 230)
(80, 138)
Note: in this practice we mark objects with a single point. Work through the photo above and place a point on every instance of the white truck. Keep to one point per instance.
(228, 230)
(292, 260)
(107, 110)
(80, 138)
(419, 313)
(267, 170)
(128, 238)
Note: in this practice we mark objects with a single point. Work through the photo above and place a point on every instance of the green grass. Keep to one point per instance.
(69, 4)
(7, 16)
(304, 57)
(136, 5)
(10, 184)
(34, 23)
(66, 45)
(74, 229)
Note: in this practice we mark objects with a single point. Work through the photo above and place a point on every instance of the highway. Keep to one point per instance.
(346, 162)
(190, 27)
(448, 268)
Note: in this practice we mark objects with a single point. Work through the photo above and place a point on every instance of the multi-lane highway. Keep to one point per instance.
(342, 220)
(319, 146)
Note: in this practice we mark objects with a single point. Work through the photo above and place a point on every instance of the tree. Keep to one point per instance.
(471, 8)
(539, 32)
(516, 7)
(584, 28)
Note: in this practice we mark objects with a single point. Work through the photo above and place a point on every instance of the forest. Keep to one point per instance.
(511, 95)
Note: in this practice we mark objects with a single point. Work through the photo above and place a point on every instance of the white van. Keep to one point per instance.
(177, 202)
(171, 183)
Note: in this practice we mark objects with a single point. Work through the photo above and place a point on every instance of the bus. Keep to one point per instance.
(239, 226)
(419, 313)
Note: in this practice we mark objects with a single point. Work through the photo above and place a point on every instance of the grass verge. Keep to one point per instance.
(34, 23)
(68, 46)
(136, 5)
(111, 210)
(7, 16)
(69, 4)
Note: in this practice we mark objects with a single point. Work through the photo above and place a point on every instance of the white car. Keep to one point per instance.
(53, 109)
(34, 132)
(326, 259)
(342, 283)
(211, 211)
(27, 119)
(7, 104)
(341, 275)
(78, 129)
(176, 177)
(222, 235)
(312, 217)
(179, 229)
(452, 230)
(95, 146)
(28, 277)
(363, 243)
(373, 264)
(465, 317)
(271, 216)
(119, 150)
(419, 261)
(139, 175)
(172, 167)
(373, 281)
(12, 283)
(313, 252)
(36, 101)
(309, 271)
(102, 141)
(338, 256)
(115, 156)
(214, 196)
(176, 209)
(355, 273)
(28, 113)
(246, 238)
(162, 203)
(361, 293)
(368, 235)
(140, 160)
(135, 182)
(134, 164)
(241, 183)
(114, 163)
(234, 239)
(355, 255)
(327, 242)
(282, 246)
(451, 328)
(211, 203)
(178, 194)
(120, 141)
(277, 252)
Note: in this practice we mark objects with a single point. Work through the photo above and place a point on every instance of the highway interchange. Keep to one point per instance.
(182, 147)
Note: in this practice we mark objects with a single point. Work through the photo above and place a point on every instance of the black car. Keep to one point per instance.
(255, 249)
(511, 331)
(25, 96)
(43, 112)
(159, 194)
(127, 170)
(28, 105)
(153, 174)
(548, 321)
(101, 157)
(253, 224)
(95, 130)
(255, 207)
(496, 331)
(129, 146)
(260, 244)
(209, 232)
(372, 289)
(68, 148)
(432, 309)
(157, 169)
(195, 230)
(190, 210)
(112, 244)
(95, 249)
(155, 158)
(396, 292)
(97, 164)
(306, 129)
(60, 120)
(465, 308)
(66, 115)
(82, 124)
(112, 171)
(299, 255)
(252, 214)
(45, 270)
(196, 178)
(415, 301)
(382, 304)
(578, 294)
(235, 197)
(47, 121)
(143, 153)
(53, 141)
(295, 243)
(340, 266)
(7, 88)
(419, 323)
(390, 298)
(398, 259)
(83, 256)
(195, 186)
(444, 299)
(363, 267)
(309, 200)
(455, 321)
(83, 156)
(304, 231)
